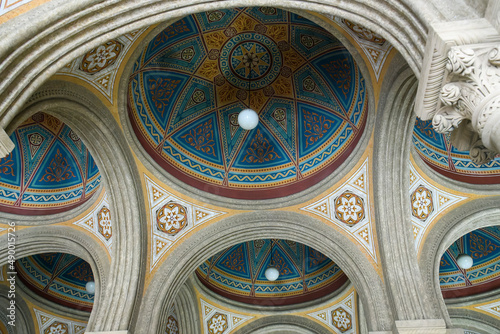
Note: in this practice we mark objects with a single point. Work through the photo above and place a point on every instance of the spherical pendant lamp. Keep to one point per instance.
(272, 274)
(90, 287)
(464, 261)
(248, 119)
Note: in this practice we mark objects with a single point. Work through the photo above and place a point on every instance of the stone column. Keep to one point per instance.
(460, 86)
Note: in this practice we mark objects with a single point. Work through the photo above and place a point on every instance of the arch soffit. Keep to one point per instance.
(264, 224)
(476, 321)
(276, 324)
(94, 123)
(466, 218)
(24, 322)
(63, 239)
(327, 183)
(34, 56)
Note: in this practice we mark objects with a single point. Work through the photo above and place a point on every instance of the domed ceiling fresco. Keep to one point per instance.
(238, 273)
(483, 245)
(58, 277)
(192, 80)
(437, 151)
(50, 170)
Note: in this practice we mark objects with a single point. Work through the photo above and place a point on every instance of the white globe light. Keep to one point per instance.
(248, 119)
(90, 287)
(464, 261)
(272, 274)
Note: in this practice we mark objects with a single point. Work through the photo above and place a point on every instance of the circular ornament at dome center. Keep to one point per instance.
(250, 56)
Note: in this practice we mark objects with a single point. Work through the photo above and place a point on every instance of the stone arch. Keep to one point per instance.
(475, 321)
(24, 322)
(32, 56)
(283, 324)
(63, 239)
(182, 262)
(273, 203)
(93, 122)
(462, 220)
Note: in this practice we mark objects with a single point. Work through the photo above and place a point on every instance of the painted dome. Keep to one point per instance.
(58, 277)
(483, 245)
(192, 80)
(50, 170)
(438, 152)
(238, 273)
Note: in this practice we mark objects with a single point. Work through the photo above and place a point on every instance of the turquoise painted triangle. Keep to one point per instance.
(162, 89)
(76, 145)
(279, 116)
(259, 250)
(315, 260)
(10, 166)
(310, 86)
(57, 170)
(47, 261)
(294, 251)
(231, 134)
(235, 261)
(282, 262)
(201, 139)
(447, 264)
(185, 56)
(92, 168)
(261, 150)
(316, 126)
(196, 99)
(33, 157)
(341, 74)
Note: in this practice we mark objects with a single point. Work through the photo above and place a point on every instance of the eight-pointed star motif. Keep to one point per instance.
(250, 60)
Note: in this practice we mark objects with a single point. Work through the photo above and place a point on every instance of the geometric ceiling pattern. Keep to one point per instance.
(373, 45)
(99, 223)
(492, 308)
(348, 207)
(483, 245)
(51, 324)
(238, 273)
(436, 150)
(58, 277)
(171, 218)
(341, 317)
(99, 66)
(8, 5)
(218, 321)
(427, 202)
(192, 80)
(50, 169)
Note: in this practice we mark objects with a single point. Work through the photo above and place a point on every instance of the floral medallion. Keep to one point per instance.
(57, 328)
(101, 57)
(172, 326)
(171, 218)
(104, 222)
(217, 324)
(349, 208)
(341, 319)
(421, 203)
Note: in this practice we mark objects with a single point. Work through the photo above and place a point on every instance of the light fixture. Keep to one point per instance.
(272, 273)
(464, 261)
(248, 118)
(90, 287)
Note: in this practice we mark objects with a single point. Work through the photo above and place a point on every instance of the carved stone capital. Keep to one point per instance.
(460, 87)
(469, 100)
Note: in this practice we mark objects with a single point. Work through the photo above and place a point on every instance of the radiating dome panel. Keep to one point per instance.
(192, 80)
(438, 152)
(483, 245)
(58, 277)
(50, 169)
(238, 273)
